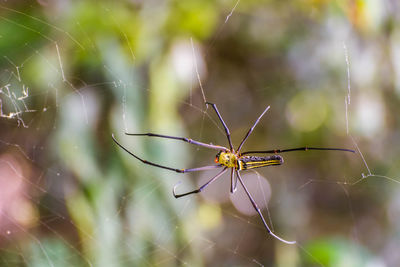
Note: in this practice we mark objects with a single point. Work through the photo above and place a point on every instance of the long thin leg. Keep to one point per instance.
(165, 167)
(251, 129)
(188, 140)
(228, 134)
(259, 212)
(201, 188)
(296, 149)
(233, 181)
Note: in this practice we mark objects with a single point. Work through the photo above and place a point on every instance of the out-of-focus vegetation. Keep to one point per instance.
(73, 72)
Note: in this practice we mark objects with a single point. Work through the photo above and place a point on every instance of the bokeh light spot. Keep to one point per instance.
(369, 115)
(24, 213)
(209, 216)
(307, 111)
(260, 190)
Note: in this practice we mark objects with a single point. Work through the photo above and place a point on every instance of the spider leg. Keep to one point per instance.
(228, 134)
(259, 212)
(204, 168)
(297, 149)
(233, 182)
(188, 140)
(251, 129)
(165, 167)
(201, 188)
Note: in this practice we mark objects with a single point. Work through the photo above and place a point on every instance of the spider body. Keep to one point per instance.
(229, 158)
(241, 163)
(252, 162)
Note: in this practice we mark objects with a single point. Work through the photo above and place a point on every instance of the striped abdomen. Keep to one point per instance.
(251, 162)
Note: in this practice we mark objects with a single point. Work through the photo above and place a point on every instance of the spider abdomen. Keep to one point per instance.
(251, 162)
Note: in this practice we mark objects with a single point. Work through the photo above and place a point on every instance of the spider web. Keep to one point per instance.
(70, 197)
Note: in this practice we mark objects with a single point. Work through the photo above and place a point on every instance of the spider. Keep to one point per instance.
(229, 158)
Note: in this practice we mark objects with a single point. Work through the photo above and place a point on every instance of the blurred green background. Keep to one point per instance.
(73, 72)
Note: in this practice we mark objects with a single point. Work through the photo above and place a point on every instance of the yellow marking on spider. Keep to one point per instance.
(227, 159)
(258, 164)
(266, 162)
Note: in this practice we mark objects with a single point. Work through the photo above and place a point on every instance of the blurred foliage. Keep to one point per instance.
(94, 68)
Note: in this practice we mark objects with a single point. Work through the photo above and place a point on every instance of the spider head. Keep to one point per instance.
(226, 158)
